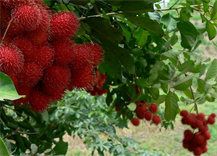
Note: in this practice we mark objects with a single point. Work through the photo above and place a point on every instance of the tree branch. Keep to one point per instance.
(9, 24)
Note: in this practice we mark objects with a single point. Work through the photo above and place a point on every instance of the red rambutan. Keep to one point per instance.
(44, 56)
(30, 74)
(38, 36)
(156, 119)
(148, 116)
(135, 121)
(63, 51)
(153, 108)
(39, 101)
(56, 77)
(11, 59)
(184, 113)
(211, 120)
(27, 17)
(188, 135)
(26, 46)
(23, 90)
(64, 25)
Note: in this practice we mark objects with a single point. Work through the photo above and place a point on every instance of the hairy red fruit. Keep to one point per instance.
(16, 3)
(27, 17)
(148, 116)
(200, 116)
(211, 120)
(140, 115)
(44, 56)
(204, 149)
(14, 28)
(63, 51)
(153, 108)
(23, 90)
(31, 74)
(142, 109)
(197, 151)
(38, 36)
(207, 135)
(46, 16)
(199, 139)
(14, 79)
(185, 144)
(39, 101)
(64, 25)
(156, 119)
(96, 53)
(53, 94)
(188, 135)
(204, 144)
(204, 129)
(26, 46)
(135, 121)
(56, 77)
(184, 121)
(184, 113)
(83, 78)
(11, 60)
(213, 115)
(190, 120)
(7, 40)
(198, 123)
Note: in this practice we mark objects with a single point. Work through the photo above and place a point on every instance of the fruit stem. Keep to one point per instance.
(9, 24)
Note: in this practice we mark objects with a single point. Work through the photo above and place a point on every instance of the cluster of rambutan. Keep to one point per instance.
(98, 84)
(38, 54)
(143, 111)
(196, 141)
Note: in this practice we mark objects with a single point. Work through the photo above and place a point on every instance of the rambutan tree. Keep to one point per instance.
(133, 60)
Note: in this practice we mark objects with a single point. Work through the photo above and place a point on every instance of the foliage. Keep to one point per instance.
(139, 41)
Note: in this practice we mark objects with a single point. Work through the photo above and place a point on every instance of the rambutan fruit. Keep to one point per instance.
(211, 120)
(184, 113)
(26, 46)
(207, 135)
(148, 116)
(7, 40)
(16, 3)
(64, 25)
(96, 53)
(46, 16)
(30, 74)
(200, 116)
(142, 109)
(135, 121)
(27, 17)
(190, 120)
(153, 108)
(56, 77)
(39, 101)
(63, 51)
(204, 149)
(188, 135)
(204, 129)
(14, 79)
(213, 115)
(198, 123)
(140, 115)
(11, 59)
(38, 37)
(83, 78)
(197, 151)
(44, 56)
(52, 93)
(199, 139)
(185, 144)
(184, 121)
(156, 119)
(23, 90)
(13, 28)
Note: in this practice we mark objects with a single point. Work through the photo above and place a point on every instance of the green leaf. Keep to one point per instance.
(146, 23)
(61, 148)
(212, 70)
(172, 53)
(137, 52)
(188, 93)
(201, 85)
(169, 22)
(4, 151)
(141, 36)
(126, 31)
(45, 116)
(141, 82)
(142, 97)
(7, 89)
(104, 28)
(184, 83)
(132, 106)
(214, 11)
(81, 2)
(186, 66)
(137, 6)
(154, 92)
(188, 34)
(160, 100)
(171, 109)
(211, 30)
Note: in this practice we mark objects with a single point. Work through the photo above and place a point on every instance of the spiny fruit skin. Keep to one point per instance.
(26, 46)
(23, 90)
(64, 25)
(27, 17)
(63, 51)
(56, 77)
(156, 119)
(5, 14)
(39, 101)
(200, 116)
(184, 113)
(14, 28)
(199, 139)
(188, 135)
(213, 115)
(135, 121)
(197, 151)
(38, 37)
(153, 108)
(44, 56)
(15, 3)
(11, 59)
(148, 116)
(211, 120)
(31, 74)
(53, 94)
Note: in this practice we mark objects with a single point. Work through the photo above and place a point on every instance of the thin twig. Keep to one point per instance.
(174, 4)
(9, 24)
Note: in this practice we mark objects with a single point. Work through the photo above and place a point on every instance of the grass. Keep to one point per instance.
(153, 138)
